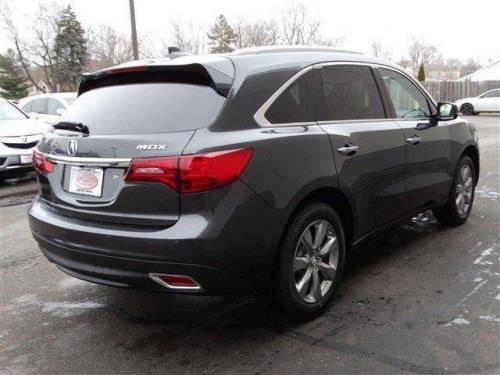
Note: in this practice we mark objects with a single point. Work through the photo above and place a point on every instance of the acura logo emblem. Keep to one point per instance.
(72, 147)
(25, 139)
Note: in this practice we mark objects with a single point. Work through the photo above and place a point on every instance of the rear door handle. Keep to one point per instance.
(348, 149)
(414, 140)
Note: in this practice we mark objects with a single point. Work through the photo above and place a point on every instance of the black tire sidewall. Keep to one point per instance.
(284, 282)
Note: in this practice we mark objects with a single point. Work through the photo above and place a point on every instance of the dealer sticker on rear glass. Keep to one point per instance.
(86, 181)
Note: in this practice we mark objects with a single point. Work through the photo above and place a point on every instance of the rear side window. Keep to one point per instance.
(296, 103)
(408, 101)
(348, 92)
(27, 107)
(146, 108)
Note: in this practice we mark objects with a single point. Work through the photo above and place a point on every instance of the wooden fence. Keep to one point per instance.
(450, 91)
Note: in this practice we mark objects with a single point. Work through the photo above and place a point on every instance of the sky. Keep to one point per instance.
(460, 29)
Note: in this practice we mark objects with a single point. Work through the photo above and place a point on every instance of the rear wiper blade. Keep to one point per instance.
(70, 125)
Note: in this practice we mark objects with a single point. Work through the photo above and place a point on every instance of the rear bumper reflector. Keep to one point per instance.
(178, 282)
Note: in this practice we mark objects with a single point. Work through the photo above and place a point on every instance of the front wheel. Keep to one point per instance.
(457, 209)
(310, 263)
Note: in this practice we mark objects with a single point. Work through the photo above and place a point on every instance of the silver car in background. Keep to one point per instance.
(19, 134)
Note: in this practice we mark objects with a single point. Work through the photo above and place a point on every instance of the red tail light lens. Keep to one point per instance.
(210, 171)
(163, 170)
(41, 164)
(192, 173)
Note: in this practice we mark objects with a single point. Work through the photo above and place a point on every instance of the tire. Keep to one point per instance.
(453, 213)
(300, 255)
(467, 109)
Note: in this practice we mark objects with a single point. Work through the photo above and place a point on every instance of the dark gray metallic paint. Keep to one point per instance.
(228, 238)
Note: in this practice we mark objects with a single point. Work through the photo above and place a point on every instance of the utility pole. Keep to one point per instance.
(134, 31)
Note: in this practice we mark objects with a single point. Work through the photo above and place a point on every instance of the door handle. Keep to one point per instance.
(349, 149)
(414, 140)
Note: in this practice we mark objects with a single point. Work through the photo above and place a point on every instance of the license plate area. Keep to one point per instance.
(26, 159)
(86, 181)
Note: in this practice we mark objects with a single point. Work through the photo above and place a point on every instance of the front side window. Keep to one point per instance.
(348, 92)
(296, 103)
(54, 105)
(408, 101)
(39, 106)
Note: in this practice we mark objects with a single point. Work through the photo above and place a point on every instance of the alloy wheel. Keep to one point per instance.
(316, 261)
(464, 190)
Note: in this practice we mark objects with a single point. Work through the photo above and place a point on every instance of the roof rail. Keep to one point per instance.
(278, 49)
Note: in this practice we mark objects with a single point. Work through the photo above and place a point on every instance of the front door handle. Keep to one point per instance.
(349, 149)
(414, 140)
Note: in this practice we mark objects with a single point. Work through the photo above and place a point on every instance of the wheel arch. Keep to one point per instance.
(334, 198)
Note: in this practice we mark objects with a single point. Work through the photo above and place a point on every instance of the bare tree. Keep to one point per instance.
(378, 51)
(298, 28)
(19, 46)
(420, 52)
(190, 38)
(109, 47)
(260, 33)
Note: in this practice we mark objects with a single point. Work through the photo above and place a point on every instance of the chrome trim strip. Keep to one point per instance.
(101, 162)
(156, 278)
(260, 117)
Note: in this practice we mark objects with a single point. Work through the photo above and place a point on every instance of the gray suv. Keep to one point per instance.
(258, 169)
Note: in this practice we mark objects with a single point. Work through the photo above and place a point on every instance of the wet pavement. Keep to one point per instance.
(421, 298)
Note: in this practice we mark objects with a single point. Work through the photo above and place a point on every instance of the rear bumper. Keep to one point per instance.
(134, 273)
(226, 248)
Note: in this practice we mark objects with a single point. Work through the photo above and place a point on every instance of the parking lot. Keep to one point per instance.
(421, 298)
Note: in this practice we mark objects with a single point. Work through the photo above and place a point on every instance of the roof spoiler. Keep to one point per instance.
(194, 73)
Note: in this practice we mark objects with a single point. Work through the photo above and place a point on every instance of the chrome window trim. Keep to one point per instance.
(260, 117)
(263, 122)
(98, 162)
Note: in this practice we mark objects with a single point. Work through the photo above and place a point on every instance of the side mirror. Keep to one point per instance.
(447, 111)
(33, 115)
(61, 111)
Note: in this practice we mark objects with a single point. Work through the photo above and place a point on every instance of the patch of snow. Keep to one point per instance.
(489, 318)
(458, 321)
(477, 280)
(71, 282)
(484, 254)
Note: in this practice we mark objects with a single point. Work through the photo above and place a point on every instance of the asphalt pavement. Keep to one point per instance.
(419, 299)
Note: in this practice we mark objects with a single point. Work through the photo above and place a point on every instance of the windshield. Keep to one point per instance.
(10, 112)
(146, 108)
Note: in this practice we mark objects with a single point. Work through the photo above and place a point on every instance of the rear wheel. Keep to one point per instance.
(467, 109)
(311, 262)
(457, 210)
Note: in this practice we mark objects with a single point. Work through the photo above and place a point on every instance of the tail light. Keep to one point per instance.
(192, 173)
(41, 164)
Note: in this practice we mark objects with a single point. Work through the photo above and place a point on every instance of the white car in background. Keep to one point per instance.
(19, 134)
(47, 107)
(488, 101)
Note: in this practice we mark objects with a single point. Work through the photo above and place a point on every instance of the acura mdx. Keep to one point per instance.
(258, 169)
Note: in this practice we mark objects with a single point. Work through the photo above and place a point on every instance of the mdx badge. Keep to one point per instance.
(151, 147)
(72, 147)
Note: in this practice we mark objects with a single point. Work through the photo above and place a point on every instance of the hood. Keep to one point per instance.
(14, 128)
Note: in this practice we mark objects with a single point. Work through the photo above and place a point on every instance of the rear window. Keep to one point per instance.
(146, 108)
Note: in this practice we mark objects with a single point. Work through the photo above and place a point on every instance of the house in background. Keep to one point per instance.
(488, 73)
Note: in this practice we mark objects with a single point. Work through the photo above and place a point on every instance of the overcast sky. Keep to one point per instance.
(458, 28)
